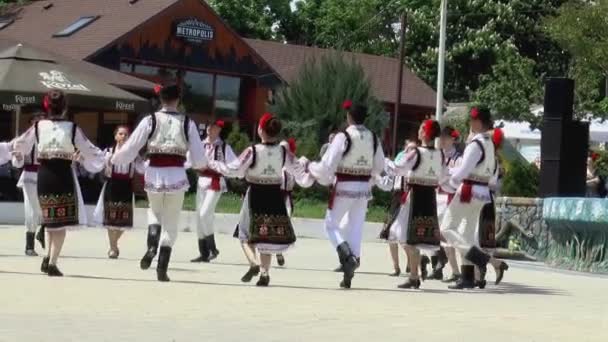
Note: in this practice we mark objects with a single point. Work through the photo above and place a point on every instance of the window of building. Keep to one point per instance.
(154, 73)
(5, 22)
(198, 92)
(126, 67)
(76, 26)
(227, 94)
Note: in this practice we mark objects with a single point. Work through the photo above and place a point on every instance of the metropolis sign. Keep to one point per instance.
(193, 30)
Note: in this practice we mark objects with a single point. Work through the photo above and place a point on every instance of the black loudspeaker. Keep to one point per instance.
(564, 143)
(559, 98)
(564, 148)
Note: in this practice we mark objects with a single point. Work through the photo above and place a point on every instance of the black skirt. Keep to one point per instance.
(487, 226)
(393, 212)
(268, 219)
(57, 194)
(423, 225)
(118, 203)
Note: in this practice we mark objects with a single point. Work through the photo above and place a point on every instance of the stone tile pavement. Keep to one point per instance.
(113, 300)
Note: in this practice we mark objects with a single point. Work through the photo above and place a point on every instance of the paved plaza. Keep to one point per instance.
(113, 300)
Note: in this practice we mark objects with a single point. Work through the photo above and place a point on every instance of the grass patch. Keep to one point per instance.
(230, 203)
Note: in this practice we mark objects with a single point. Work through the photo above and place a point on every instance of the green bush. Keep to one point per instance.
(520, 180)
(237, 139)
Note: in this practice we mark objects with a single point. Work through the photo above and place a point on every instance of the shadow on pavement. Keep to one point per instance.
(505, 288)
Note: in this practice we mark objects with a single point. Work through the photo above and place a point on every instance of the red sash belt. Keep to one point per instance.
(466, 192)
(30, 168)
(121, 176)
(166, 160)
(342, 177)
(215, 178)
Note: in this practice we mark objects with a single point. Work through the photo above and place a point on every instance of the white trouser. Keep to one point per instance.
(459, 225)
(31, 207)
(206, 201)
(354, 209)
(165, 208)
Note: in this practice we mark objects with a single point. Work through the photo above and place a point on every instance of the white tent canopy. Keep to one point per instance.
(598, 129)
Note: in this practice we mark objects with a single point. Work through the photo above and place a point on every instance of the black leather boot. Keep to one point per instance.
(424, 261)
(203, 250)
(252, 272)
(264, 280)
(480, 259)
(410, 284)
(500, 272)
(396, 273)
(54, 271)
(213, 251)
(29, 244)
(41, 237)
(152, 243)
(442, 258)
(280, 260)
(163, 264)
(44, 266)
(467, 280)
(349, 264)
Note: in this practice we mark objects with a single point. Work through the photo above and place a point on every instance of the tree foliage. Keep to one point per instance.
(581, 28)
(237, 139)
(311, 107)
(511, 87)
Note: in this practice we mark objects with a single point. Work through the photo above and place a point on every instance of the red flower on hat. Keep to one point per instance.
(475, 113)
(292, 145)
(46, 103)
(220, 123)
(264, 120)
(497, 137)
(347, 105)
(157, 89)
(427, 127)
(455, 134)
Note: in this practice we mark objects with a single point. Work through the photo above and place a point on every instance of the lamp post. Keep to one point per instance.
(441, 61)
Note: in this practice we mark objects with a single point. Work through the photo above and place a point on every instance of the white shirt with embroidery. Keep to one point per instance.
(324, 171)
(161, 179)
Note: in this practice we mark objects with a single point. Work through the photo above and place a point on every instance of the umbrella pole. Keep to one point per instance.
(17, 120)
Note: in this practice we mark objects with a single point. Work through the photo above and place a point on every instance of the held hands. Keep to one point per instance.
(17, 155)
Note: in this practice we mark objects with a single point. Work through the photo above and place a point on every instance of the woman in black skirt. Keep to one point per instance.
(264, 223)
(115, 205)
(59, 142)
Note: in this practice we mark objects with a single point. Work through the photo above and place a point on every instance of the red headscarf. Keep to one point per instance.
(497, 137)
(264, 120)
(157, 89)
(219, 123)
(347, 104)
(474, 113)
(428, 129)
(455, 134)
(292, 145)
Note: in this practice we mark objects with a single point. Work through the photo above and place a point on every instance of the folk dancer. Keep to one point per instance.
(287, 186)
(470, 183)
(416, 226)
(114, 208)
(448, 140)
(264, 223)
(210, 187)
(28, 184)
(395, 184)
(167, 136)
(352, 160)
(58, 143)
(487, 221)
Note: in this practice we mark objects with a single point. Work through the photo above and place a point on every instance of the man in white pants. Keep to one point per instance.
(28, 183)
(168, 136)
(353, 158)
(469, 181)
(210, 187)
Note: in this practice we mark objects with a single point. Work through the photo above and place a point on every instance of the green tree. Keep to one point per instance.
(580, 28)
(511, 87)
(237, 139)
(311, 107)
